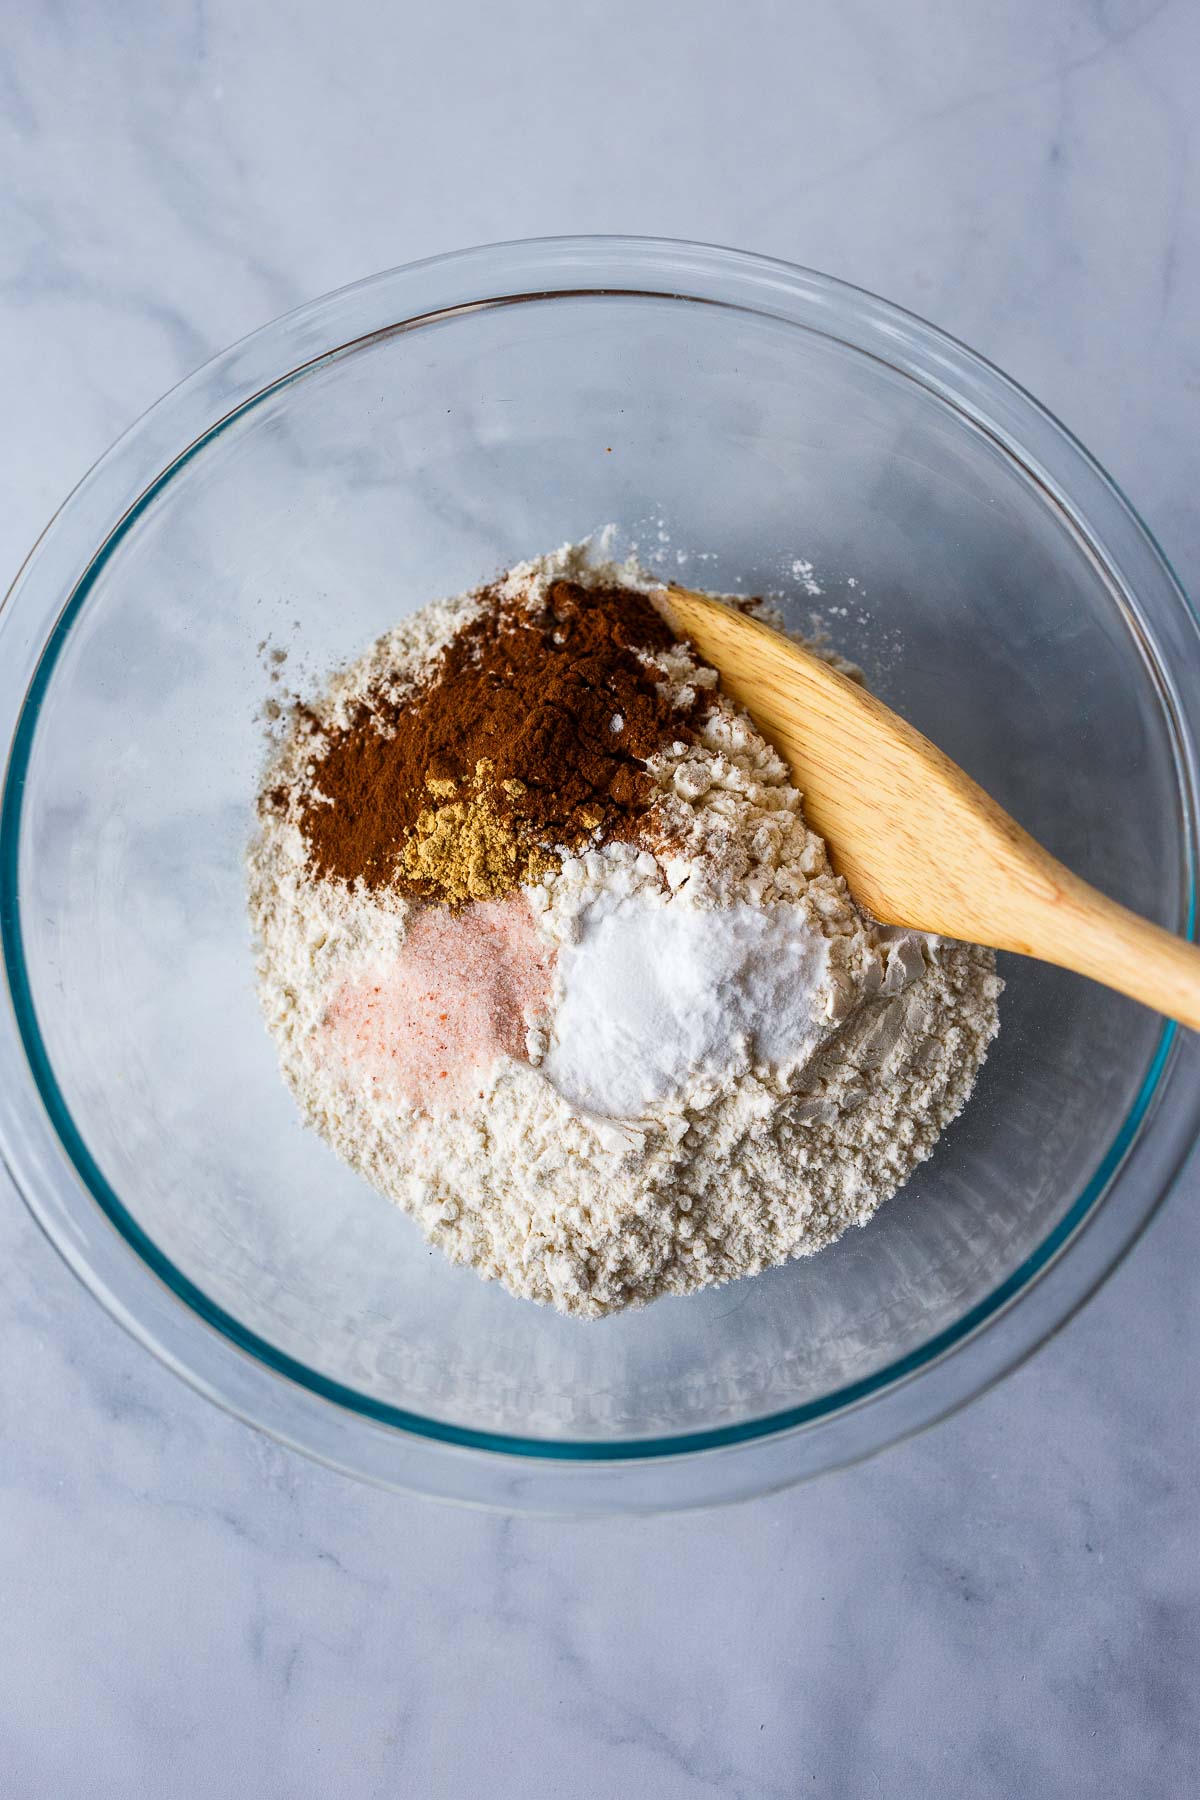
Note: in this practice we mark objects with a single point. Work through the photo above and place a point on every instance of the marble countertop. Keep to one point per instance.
(1009, 1605)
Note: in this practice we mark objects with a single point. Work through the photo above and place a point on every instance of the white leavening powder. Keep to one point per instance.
(735, 1066)
(657, 996)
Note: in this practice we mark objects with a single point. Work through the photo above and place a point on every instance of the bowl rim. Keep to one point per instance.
(89, 528)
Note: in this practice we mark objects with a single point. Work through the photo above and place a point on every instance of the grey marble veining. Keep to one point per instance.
(1007, 1606)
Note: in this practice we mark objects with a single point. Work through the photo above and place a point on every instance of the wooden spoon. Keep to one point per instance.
(919, 843)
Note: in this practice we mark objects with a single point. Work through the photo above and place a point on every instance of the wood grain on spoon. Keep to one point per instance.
(919, 843)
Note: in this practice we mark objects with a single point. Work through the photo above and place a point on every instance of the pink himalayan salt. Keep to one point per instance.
(455, 999)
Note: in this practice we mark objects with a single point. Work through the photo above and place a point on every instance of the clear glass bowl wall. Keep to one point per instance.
(405, 439)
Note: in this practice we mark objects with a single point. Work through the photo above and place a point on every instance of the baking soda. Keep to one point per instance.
(658, 996)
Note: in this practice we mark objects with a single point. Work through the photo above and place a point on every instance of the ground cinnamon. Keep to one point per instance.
(531, 735)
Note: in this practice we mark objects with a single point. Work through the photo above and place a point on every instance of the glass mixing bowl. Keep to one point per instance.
(744, 424)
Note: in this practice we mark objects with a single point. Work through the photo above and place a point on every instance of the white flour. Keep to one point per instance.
(690, 1112)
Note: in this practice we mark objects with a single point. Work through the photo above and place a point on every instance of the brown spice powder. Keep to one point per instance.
(532, 732)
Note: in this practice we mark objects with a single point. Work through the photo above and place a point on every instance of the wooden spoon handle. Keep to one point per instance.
(919, 843)
(1074, 926)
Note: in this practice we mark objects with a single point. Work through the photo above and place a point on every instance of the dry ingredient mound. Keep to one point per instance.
(551, 957)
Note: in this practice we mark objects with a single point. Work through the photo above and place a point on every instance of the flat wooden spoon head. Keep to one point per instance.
(919, 843)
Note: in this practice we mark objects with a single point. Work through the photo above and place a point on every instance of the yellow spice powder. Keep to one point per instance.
(464, 849)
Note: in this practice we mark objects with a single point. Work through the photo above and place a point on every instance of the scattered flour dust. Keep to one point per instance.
(667, 1064)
